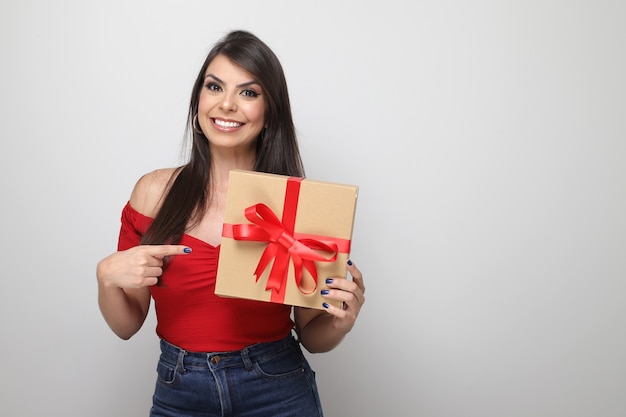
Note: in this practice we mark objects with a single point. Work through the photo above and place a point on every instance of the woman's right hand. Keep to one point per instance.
(136, 267)
(124, 279)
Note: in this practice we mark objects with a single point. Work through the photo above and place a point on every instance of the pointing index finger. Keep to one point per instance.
(161, 251)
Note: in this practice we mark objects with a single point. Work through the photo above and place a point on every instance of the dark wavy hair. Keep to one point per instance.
(276, 148)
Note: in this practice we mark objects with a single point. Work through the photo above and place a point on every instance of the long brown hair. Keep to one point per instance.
(276, 148)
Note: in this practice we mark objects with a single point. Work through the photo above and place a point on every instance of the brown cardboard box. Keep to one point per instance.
(286, 230)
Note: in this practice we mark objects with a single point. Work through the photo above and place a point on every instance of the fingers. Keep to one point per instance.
(357, 277)
(349, 292)
(150, 281)
(340, 293)
(161, 251)
(150, 266)
(354, 286)
(140, 266)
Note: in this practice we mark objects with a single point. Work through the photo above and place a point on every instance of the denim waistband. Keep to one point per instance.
(244, 356)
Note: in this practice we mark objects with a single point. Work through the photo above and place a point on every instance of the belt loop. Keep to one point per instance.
(180, 362)
(245, 355)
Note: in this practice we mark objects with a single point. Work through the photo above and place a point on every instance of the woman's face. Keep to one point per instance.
(231, 107)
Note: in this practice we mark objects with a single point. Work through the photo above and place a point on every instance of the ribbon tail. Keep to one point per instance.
(277, 281)
(297, 266)
(267, 255)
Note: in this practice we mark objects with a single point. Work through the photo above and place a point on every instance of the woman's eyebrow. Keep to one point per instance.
(246, 84)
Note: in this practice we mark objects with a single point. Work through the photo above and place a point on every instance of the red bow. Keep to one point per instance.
(283, 243)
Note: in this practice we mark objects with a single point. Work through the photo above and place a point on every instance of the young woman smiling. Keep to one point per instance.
(220, 356)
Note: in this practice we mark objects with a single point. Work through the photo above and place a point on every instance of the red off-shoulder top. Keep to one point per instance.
(189, 314)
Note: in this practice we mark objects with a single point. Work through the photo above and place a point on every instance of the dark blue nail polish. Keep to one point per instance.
(324, 292)
(349, 262)
(187, 250)
(329, 280)
(326, 305)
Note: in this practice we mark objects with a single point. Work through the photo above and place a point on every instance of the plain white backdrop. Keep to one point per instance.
(488, 139)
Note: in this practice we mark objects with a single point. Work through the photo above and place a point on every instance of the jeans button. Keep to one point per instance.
(215, 360)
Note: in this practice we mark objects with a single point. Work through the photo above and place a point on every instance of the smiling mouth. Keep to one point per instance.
(226, 125)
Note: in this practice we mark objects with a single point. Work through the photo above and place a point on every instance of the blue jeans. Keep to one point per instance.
(263, 380)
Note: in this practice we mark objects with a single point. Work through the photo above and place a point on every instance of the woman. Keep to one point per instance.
(220, 356)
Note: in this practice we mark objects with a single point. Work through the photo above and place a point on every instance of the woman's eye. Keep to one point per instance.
(211, 86)
(249, 93)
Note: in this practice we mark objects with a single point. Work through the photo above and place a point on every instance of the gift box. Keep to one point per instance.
(283, 236)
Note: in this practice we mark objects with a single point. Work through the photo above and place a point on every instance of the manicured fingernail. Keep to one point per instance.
(329, 280)
(326, 305)
(349, 262)
(324, 292)
(187, 250)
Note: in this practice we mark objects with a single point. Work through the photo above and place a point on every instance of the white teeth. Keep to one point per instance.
(225, 124)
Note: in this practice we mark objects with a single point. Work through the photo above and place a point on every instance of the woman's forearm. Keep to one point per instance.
(124, 310)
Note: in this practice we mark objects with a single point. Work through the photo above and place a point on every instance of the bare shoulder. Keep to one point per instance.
(147, 196)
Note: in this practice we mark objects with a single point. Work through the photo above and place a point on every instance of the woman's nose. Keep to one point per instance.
(228, 103)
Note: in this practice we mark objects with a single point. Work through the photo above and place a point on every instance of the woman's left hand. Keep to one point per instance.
(351, 294)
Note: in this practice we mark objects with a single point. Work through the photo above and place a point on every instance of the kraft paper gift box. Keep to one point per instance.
(283, 236)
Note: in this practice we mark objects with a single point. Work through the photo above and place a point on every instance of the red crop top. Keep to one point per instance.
(189, 314)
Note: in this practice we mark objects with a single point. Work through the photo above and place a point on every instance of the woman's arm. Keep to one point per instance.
(124, 277)
(321, 331)
(124, 310)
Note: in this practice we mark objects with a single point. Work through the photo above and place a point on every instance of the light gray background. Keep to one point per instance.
(488, 140)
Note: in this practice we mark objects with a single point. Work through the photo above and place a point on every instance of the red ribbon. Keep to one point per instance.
(284, 243)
